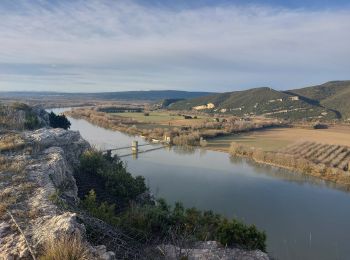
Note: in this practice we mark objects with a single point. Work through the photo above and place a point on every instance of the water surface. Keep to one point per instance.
(304, 218)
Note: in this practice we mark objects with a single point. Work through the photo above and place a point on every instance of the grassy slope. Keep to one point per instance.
(257, 101)
(334, 95)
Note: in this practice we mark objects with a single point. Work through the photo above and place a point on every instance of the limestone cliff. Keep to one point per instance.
(36, 181)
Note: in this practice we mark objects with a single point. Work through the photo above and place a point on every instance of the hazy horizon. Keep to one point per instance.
(213, 46)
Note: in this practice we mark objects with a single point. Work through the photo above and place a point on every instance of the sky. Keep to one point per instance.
(218, 45)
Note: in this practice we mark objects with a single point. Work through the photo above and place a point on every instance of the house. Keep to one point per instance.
(202, 107)
(294, 98)
(210, 105)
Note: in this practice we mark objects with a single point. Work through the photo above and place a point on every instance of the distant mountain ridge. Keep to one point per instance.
(149, 95)
(326, 101)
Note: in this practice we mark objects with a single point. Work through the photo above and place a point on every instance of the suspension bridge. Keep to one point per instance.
(135, 149)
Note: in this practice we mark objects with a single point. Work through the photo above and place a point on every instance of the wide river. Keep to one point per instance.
(304, 218)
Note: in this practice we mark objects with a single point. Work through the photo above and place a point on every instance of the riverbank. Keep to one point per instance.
(303, 163)
(191, 131)
(277, 156)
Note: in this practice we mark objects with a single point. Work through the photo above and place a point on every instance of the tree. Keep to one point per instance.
(59, 121)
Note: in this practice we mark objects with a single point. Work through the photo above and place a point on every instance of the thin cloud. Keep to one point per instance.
(122, 45)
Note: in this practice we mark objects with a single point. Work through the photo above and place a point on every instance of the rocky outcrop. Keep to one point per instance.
(70, 142)
(210, 250)
(38, 192)
(19, 116)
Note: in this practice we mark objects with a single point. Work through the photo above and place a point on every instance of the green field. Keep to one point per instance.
(157, 117)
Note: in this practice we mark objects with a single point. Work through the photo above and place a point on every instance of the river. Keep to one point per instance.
(304, 218)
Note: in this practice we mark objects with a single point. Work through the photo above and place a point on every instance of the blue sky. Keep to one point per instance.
(92, 46)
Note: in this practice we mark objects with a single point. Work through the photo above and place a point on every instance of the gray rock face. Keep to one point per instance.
(70, 141)
(42, 115)
(39, 187)
(15, 116)
(210, 250)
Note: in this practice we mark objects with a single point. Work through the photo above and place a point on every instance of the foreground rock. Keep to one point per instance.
(210, 250)
(37, 181)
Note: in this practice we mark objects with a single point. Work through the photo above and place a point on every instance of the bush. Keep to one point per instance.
(191, 139)
(59, 121)
(103, 211)
(234, 232)
(31, 121)
(159, 220)
(155, 221)
(241, 150)
(111, 173)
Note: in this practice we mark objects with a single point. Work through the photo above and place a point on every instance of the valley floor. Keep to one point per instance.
(322, 153)
(279, 138)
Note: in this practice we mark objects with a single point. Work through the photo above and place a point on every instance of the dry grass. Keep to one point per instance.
(7, 198)
(333, 156)
(66, 248)
(11, 142)
(11, 165)
(279, 138)
(336, 135)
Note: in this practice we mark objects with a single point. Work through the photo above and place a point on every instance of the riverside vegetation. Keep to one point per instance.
(117, 202)
(183, 133)
(333, 165)
(328, 162)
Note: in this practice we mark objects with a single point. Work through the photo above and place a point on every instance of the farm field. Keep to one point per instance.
(162, 118)
(335, 156)
(276, 139)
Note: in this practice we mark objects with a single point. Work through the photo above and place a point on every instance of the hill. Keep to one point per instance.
(258, 101)
(333, 95)
(151, 95)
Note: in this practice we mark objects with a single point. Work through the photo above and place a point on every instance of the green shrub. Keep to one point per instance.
(234, 232)
(103, 210)
(59, 121)
(159, 220)
(113, 175)
(31, 121)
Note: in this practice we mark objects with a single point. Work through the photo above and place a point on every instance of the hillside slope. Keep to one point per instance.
(332, 95)
(257, 101)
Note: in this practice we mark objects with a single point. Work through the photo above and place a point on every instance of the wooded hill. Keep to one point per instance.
(326, 101)
(332, 95)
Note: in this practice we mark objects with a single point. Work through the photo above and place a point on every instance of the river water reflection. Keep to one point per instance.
(304, 218)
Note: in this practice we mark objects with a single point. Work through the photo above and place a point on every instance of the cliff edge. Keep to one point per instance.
(36, 182)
